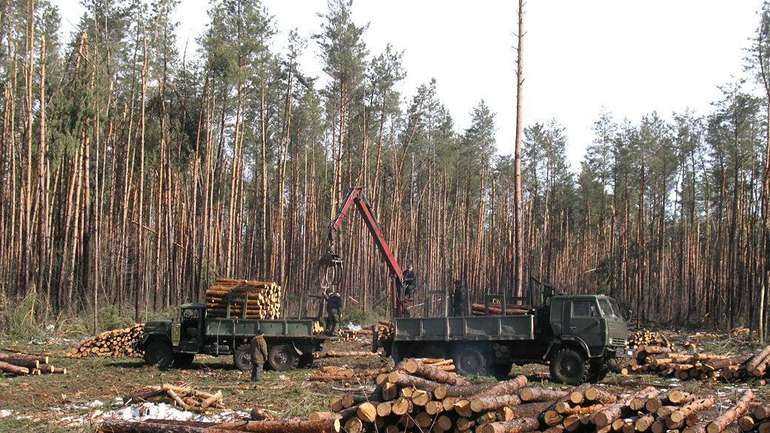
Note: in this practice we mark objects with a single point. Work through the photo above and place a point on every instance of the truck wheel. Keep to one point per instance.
(159, 353)
(242, 358)
(569, 366)
(282, 357)
(597, 370)
(183, 360)
(470, 360)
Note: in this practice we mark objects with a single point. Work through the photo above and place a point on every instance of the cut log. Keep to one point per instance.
(485, 404)
(596, 394)
(366, 412)
(678, 397)
(755, 361)
(610, 413)
(731, 415)
(384, 409)
(644, 423)
(541, 394)
(507, 387)
(691, 408)
(431, 372)
(400, 406)
(14, 369)
(403, 379)
(520, 425)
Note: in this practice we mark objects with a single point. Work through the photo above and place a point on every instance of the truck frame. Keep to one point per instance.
(166, 343)
(578, 336)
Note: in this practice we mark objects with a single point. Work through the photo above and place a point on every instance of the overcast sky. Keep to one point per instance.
(629, 57)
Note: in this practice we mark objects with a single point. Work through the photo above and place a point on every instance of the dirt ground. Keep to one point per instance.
(94, 386)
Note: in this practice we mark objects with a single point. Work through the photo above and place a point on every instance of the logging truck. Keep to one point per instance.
(168, 343)
(578, 336)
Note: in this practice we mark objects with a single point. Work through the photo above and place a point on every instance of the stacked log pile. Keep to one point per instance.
(645, 337)
(114, 343)
(704, 366)
(385, 331)
(183, 397)
(511, 310)
(416, 397)
(19, 364)
(263, 298)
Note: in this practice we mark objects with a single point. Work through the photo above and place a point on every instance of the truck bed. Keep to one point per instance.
(271, 328)
(479, 328)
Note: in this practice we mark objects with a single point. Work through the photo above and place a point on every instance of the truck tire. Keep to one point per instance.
(183, 360)
(597, 370)
(282, 357)
(159, 353)
(569, 366)
(470, 360)
(242, 358)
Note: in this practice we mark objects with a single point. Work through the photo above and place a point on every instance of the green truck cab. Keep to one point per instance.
(578, 336)
(168, 343)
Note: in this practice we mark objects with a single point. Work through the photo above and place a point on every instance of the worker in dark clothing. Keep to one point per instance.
(410, 281)
(459, 299)
(258, 355)
(333, 311)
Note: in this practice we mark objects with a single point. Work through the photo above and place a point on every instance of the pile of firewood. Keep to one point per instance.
(263, 299)
(19, 364)
(114, 343)
(665, 362)
(181, 396)
(645, 337)
(385, 331)
(510, 310)
(422, 397)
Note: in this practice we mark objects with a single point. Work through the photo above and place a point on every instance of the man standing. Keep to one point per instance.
(333, 310)
(258, 355)
(459, 300)
(410, 281)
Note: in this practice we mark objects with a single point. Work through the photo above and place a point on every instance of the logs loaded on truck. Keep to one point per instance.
(578, 336)
(235, 311)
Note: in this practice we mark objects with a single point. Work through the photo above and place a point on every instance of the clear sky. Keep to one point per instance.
(629, 57)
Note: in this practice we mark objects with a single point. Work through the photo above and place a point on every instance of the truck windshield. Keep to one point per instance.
(607, 308)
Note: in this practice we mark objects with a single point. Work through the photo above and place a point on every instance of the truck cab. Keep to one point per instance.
(586, 329)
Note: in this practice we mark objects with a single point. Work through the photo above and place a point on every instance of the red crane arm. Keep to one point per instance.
(356, 197)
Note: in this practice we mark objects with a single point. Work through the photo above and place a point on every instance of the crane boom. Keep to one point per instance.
(331, 263)
(356, 197)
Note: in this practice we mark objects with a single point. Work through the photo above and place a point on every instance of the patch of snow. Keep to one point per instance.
(4, 413)
(148, 410)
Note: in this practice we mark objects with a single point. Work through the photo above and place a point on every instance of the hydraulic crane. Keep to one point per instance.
(331, 263)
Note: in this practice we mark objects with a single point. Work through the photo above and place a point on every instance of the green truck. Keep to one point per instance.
(166, 343)
(578, 336)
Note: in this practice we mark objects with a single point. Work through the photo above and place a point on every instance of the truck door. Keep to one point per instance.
(584, 322)
(191, 330)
